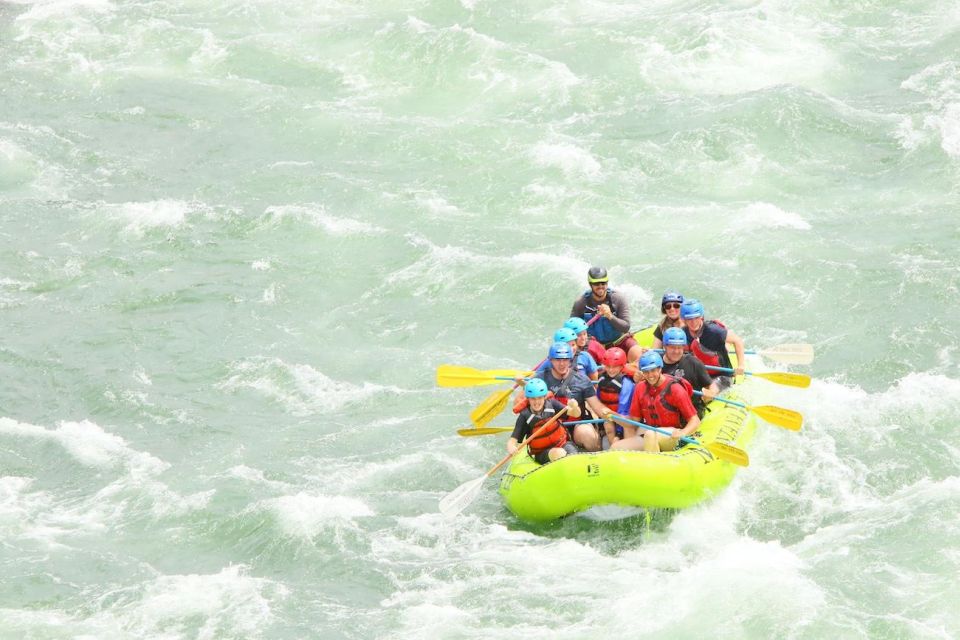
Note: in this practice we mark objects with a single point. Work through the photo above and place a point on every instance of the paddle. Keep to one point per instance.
(497, 401)
(777, 377)
(788, 353)
(449, 375)
(482, 431)
(461, 497)
(786, 418)
(487, 431)
(718, 449)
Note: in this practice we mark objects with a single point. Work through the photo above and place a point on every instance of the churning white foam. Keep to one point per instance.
(940, 85)
(316, 215)
(141, 217)
(763, 215)
(90, 445)
(306, 515)
(573, 160)
(300, 387)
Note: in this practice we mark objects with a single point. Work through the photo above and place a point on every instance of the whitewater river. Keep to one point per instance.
(238, 237)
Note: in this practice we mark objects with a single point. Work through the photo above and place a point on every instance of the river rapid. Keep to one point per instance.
(239, 237)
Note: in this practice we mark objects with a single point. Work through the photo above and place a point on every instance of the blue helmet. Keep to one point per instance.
(564, 334)
(577, 324)
(535, 388)
(561, 351)
(691, 309)
(670, 296)
(650, 360)
(675, 336)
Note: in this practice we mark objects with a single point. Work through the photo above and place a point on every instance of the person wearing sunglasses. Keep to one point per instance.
(670, 308)
(613, 328)
(708, 341)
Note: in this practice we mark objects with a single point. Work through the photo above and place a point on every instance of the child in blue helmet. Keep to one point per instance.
(546, 445)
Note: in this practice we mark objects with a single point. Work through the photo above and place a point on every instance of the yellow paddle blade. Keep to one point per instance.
(728, 453)
(786, 418)
(789, 379)
(449, 375)
(482, 431)
(490, 408)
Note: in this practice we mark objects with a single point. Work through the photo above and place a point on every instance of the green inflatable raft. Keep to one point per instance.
(670, 480)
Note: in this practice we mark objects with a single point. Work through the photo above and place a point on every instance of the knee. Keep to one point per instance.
(556, 454)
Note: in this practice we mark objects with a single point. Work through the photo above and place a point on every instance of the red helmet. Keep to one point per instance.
(614, 357)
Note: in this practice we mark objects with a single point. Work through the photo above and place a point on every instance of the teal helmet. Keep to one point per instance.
(577, 324)
(564, 334)
(535, 388)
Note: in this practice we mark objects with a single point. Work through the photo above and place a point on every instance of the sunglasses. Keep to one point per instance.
(672, 305)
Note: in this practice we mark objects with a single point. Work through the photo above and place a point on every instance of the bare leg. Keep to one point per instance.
(586, 436)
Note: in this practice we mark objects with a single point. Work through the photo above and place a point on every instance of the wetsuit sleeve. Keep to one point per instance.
(579, 307)
(621, 321)
(626, 396)
(557, 406)
(680, 399)
(520, 428)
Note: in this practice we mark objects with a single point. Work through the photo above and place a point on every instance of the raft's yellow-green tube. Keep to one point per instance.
(674, 479)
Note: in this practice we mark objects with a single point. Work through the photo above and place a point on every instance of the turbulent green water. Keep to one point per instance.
(238, 238)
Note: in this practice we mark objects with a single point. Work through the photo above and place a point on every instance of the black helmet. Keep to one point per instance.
(597, 275)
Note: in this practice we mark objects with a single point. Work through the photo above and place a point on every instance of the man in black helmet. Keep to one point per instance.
(613, 329)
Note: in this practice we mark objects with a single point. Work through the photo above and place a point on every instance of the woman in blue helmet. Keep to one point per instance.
(670, 308)
(708, 340)
(586, 342)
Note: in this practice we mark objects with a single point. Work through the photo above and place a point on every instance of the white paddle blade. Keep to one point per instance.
(790, 353)
(456, 501)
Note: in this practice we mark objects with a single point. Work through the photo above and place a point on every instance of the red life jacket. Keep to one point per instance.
(655, 409)
(608, 390)
(553, 436)
(596, 350)
(706, 356)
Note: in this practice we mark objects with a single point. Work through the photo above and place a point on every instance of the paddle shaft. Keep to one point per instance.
(617, 416)
(724, 400)
(521, 445)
